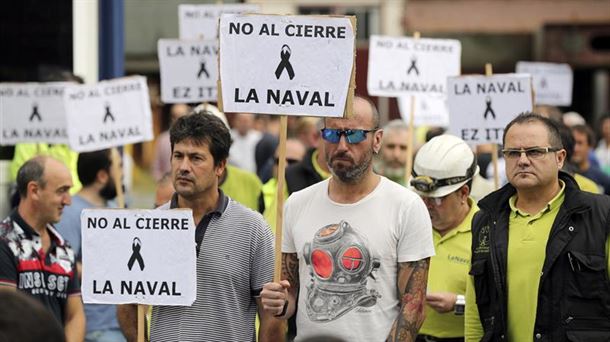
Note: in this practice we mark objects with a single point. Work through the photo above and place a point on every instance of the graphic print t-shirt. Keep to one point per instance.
(348, 255)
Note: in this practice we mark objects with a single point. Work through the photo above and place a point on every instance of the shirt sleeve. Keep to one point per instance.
(74, 283)
(473, 330)
(8, 265)
(262, 258)
(414, 232)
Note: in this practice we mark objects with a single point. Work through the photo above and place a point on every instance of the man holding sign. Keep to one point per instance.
(350, 242)
(34, 258)
(234, 246)
(540, 246)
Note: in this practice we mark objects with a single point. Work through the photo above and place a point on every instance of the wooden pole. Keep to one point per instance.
(494, 146)
(279, 199)
(411, 133)
(141, 328)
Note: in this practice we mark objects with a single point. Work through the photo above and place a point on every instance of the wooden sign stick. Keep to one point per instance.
(411, 133)
(279, 199)
(494, 146)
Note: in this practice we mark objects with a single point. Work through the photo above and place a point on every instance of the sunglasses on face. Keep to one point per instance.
(352, 136)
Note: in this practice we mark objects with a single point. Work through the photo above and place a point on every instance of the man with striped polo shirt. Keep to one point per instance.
(234, 246)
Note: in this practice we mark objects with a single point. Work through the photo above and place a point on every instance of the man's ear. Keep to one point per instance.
(377, 139)
(33, 190)
(560, 158)
(102, 176)
(220, 168)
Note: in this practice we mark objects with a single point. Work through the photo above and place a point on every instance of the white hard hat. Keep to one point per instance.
(443, 165)
(214, 110)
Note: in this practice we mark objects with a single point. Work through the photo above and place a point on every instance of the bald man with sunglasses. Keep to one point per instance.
(356, 246)
(539, 265)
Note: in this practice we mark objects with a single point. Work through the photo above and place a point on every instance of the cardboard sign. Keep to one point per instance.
(189, 70)
(552, 82)
(138, 256)
(201, 21)
(33, 112)
(288, 65)
(481, 106)
(108, 114)
(408, 66)
(429, 111)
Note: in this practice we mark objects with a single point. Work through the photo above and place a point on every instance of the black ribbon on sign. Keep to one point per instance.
(135, 254)
(489, 110)
(108, 114)
(203, 70)
(413, 66)
(284, 63)
(35, 113)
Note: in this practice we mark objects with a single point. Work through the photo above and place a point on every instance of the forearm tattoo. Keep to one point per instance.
(290, 271)
(412, 282)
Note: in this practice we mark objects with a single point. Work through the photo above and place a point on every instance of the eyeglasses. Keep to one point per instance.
(435, 201)
(530, 153)
(352, 136)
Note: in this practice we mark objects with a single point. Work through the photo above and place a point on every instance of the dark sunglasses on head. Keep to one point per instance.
(352, 136)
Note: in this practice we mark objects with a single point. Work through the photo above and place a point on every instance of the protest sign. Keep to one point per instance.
(109, 113)
(429, 111)
(138, 256)
(411, 66)
(189, 70)
(33, 112)
(293, 65)
(481, 106)
(552, 82)
(201, 21)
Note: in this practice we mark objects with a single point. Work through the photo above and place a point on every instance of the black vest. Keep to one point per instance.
(574, 291)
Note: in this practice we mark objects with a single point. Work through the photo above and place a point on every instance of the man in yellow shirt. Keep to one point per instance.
(443, 171)
(539, 248)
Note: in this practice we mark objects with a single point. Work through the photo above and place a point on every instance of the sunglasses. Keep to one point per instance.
(352, 136)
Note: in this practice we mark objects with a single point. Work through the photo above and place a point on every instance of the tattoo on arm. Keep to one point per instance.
(412, 282)
(290, 271)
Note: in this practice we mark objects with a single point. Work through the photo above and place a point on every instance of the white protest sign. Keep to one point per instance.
(138, 256)
(189, 70)
(429, 111)
(552, 82)
(481, 106)
(33, 112)
(409, 66)
(110, 113)
(286, 65)
(201, 21)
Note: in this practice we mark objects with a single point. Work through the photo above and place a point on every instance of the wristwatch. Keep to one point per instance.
(460, 305)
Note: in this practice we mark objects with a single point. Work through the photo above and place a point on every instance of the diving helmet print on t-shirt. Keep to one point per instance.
(340, 264)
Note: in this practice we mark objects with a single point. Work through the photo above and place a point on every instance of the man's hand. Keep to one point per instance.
(274, 297)
(441, 302)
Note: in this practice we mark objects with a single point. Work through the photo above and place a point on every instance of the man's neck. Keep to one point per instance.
(532, 201)
(201, 205)
(346, 193)
(459, 218)
(25, 212)
(92, 196)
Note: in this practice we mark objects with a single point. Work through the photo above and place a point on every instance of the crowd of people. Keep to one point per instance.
(369, 253)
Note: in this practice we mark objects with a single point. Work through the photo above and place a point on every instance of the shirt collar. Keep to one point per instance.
(553, 203)
(221, 205)
(31, 232)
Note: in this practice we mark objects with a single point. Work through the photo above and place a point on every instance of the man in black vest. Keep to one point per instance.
(539, 248)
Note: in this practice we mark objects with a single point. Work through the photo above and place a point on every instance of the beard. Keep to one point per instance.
(352, 173)
(108, 192)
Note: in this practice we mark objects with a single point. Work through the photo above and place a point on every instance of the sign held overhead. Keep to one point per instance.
(130, 256)
(429, 111)
(201, 21)
(552, 82)
(109, 113)
(401, 66)
(33, 112)
(286, 65)
(189, 70)
(481, 106)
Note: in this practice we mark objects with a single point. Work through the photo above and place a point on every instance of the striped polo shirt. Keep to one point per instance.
(235, 259)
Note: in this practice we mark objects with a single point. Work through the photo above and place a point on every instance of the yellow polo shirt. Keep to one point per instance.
(242, 186)
(448, 273)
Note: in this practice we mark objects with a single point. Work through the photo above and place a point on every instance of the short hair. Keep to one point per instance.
(203, 128)
(90, 163)
(374, 110)
(527, 117)
(22, 318)
(585, 129)
(31, 171)
(567, 140)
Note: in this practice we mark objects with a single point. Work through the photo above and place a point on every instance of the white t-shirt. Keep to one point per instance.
(348, 255)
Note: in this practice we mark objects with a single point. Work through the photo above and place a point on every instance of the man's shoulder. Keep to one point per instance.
(308, 192)
(393, 191)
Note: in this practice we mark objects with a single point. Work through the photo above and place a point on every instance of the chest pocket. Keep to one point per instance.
(588, 274)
